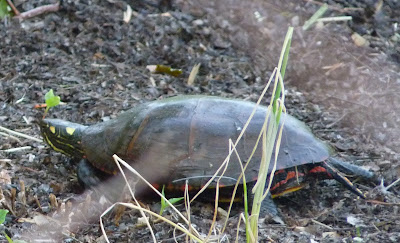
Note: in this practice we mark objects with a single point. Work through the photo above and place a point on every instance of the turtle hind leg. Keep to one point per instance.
(89, 176)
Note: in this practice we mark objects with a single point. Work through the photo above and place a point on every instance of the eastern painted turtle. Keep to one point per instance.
(175, 139)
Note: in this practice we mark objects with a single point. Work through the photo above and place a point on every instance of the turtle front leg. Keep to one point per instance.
(269, 211)
(89, 176)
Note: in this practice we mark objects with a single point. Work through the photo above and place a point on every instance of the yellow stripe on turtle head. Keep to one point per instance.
(70, 130)
(52, 145)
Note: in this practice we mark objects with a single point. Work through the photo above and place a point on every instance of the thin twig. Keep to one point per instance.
(337, 120)
(347, 101)
(14, 9)
(336, 8)
(9, 136)
(39, 10)
(335, 19)
(20, 134)
(393, 184)
(11, 150)
(382, 203)
(321, 224)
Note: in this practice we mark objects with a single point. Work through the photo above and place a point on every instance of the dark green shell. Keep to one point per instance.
(187, 137)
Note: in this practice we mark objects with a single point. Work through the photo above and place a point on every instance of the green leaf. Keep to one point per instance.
(175, 200)
(164, 204)
(51, 99)
(3, 213)
(8, 238)
(4, 9)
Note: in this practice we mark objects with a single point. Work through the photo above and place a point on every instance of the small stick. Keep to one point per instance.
(336, 8)
(335, 19)
(38, 203)
(393, 184)
(53, 201)
(20, 134)
(321, 224)
(39, 10)
(16, 149)
(14, 9)
(4, 203)
(23, 193)
(29, 169)
(9, 136)
(13, 197)
(383, 203)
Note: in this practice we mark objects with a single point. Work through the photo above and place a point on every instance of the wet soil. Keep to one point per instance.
(348, 94)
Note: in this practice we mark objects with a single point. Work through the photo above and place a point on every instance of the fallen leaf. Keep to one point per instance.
(354, 221)
(127, 14)
(5, 178)
(359, 40)
(193, 74)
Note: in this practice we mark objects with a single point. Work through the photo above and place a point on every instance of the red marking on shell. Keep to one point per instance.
(279, 172)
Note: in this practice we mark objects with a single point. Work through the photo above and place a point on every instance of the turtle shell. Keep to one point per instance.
(188, 138)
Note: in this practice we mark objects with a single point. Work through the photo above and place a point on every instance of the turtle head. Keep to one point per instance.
(63, 136)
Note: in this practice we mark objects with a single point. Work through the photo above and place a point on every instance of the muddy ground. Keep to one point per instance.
(347, 93)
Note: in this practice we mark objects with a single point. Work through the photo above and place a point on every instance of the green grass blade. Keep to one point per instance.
(315, 17)
(283, 60)
(269, 136)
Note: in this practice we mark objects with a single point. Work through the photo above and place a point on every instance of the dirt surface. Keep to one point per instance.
(96, 62)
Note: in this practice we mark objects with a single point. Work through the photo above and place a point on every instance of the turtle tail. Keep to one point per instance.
(351, 169)
(338, 176)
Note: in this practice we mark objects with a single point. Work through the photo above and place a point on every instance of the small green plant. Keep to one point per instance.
(3, 214)
(164, 203)
(358, 231)
(270, 132)
(5, 10)
(51, 100)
